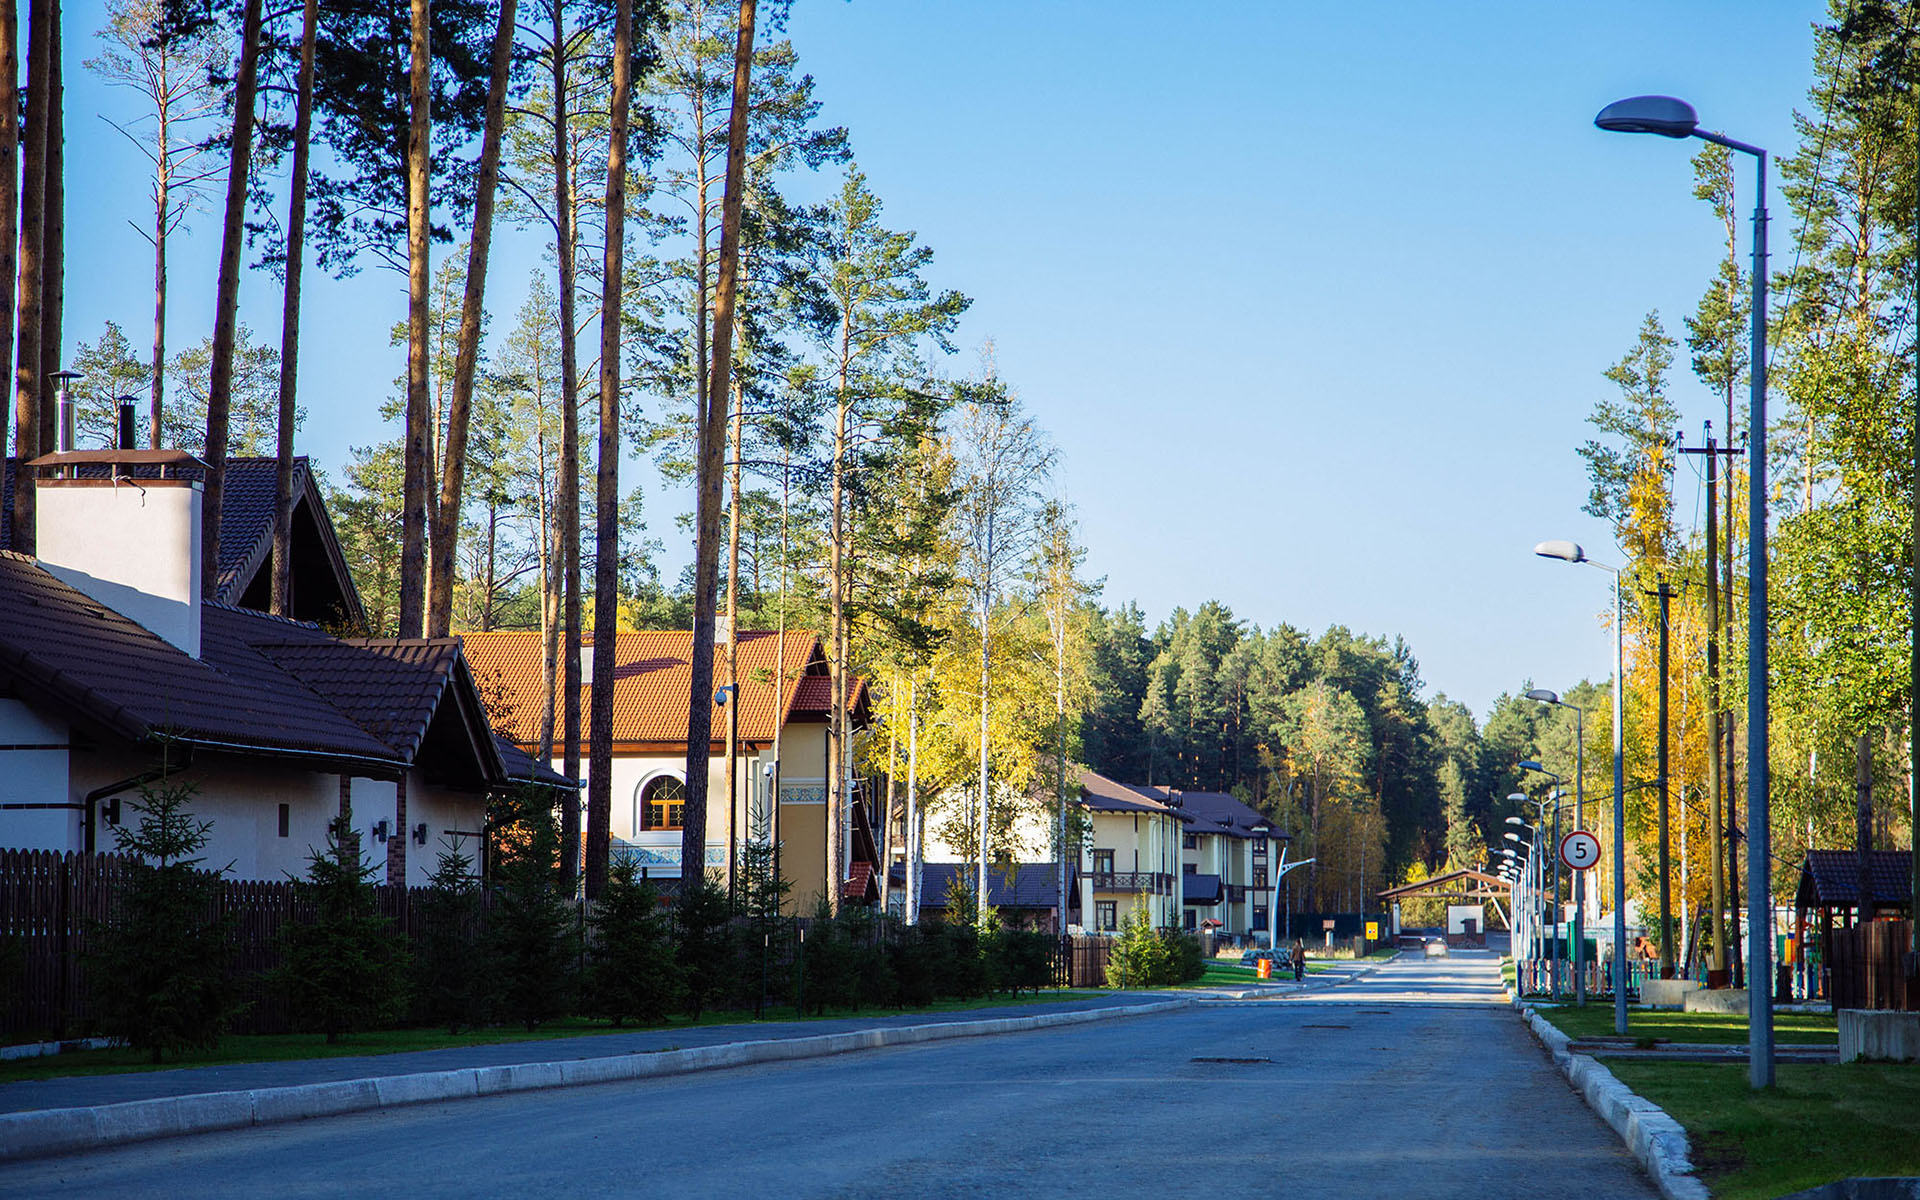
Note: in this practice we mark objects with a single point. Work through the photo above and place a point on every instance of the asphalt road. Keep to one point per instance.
(1412, 1082)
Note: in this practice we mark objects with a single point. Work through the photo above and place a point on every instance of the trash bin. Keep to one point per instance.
(1264, 968)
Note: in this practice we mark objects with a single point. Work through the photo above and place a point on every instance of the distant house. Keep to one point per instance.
(1026, 895)
(784, 747)
(115, 670)
(1131, 858)
(1224, 861)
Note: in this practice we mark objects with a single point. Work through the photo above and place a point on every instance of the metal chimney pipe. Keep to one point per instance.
(126, 424)
(63, 438)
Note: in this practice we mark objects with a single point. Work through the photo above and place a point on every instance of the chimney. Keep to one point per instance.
(722, 629)
(133, 544)
(63, 435)
(126, 424)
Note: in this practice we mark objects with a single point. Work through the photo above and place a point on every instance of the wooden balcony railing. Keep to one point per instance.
(1156, 883)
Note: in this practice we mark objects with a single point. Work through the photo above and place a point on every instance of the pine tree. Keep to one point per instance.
(631, 966)
(163, 955)
(453, 979)
(347, 969)
(531, 930)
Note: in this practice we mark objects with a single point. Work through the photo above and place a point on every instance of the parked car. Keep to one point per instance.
(1436, 947)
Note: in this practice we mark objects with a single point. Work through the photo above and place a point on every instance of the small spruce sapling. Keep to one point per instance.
(453, 980)
(701, 916)
(531, 929)
(165, 949)
(345, 970)
(631, 967)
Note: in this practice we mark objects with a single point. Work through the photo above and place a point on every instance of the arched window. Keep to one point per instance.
(663, 803)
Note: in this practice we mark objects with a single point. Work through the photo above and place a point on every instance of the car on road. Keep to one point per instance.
(1436, 947)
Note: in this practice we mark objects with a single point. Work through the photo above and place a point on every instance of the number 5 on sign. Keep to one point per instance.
(1580, 850)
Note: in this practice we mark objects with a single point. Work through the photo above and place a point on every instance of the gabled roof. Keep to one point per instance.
(1211, 812)
(1465, 883)
(262, 686)
(1831, 879)
(323, 587)
(1104, 795)
(653, 679)
(1026, 885)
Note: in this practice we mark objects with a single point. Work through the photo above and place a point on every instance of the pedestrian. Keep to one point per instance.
(1299, 960)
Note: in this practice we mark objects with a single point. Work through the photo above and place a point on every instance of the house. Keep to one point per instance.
(1131, 856)
(115, 670)
(1026, 895)
(784, 744)
(1224, 861)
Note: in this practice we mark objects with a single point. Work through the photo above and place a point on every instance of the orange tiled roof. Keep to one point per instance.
(652, 678)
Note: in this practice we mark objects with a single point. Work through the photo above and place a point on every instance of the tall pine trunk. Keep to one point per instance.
(282, 594)
(29, 297)
(227, 297)
(415, 452)
(162, 185)
(53, 269)
(566, 235)
(733, 626)
(9, 228)
(606, 544)
(444, 541)
(712, 420)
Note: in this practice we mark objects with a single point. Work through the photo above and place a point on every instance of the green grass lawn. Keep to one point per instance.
(1508, 974)
(285, 1047)
(1817, 1124)
(1596, 1020)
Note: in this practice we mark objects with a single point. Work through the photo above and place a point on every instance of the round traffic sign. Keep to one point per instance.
(1580, 850)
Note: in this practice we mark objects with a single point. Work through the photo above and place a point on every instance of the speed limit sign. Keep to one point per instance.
(1580, 850)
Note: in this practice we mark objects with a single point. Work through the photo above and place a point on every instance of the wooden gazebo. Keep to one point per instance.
(1861, 954)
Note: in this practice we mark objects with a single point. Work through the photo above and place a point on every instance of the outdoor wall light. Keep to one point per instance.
(380, 830)
(420, 834)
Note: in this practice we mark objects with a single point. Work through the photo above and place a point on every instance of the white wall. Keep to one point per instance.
(33, 770)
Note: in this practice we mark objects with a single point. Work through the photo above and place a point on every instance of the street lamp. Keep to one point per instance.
(1571, 552)
(1544, 696)
(1670, 117)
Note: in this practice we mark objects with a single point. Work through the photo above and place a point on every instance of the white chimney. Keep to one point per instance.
(132, 544)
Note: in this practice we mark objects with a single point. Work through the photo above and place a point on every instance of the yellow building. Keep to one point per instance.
(1224, 862)
(1130, 860)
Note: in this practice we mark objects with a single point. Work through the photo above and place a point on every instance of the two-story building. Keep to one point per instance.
(1225, 865)
(1130, 859)
(784, 737)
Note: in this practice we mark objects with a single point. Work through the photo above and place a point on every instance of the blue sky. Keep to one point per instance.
(1314, 299)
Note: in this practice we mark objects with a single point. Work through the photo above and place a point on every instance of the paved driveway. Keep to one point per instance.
(1409, 1083)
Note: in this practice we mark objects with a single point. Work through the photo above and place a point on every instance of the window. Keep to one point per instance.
(1260, 876)
(663, 803)
(1259, 843)
(1190, 841)
(1192, 919)
(285, 819)
(1103, 863)
(1106, 913)
(1259, 917)
(1189, 868)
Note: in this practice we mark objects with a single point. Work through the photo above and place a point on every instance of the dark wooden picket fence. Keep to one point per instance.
(1082, 962)
(51, 905)
(1867, 966)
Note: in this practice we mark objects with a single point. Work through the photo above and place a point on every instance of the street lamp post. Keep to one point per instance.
(1674, 118)
(1543, 696)
(1553, 856)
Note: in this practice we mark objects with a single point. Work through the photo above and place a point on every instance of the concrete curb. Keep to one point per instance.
(1657, 1140)
(65, 1130)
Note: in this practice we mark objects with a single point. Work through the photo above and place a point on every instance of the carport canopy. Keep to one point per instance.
(1465, 885)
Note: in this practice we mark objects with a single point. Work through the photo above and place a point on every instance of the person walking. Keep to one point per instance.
(1299, 960)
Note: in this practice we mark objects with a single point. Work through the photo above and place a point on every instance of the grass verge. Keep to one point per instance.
(1596, 1020)
(288, 1047)
(1817, 1124)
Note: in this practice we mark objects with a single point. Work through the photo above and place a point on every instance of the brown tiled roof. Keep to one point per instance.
(262, 685)
(1209, 812)
(653, 679)
(246, 525)
(1104, 795)
(1831, 878)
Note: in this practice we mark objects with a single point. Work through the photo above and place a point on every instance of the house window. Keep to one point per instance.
(1260, 843)
(1192, 919)
(663, 803)
(1106, 913)
(1260, 876)
(1259, 917)
(1103, 864)
(1189, 868)
(285, 819)
(1189, 841)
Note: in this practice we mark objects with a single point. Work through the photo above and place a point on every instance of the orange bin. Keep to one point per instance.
(1265, 968)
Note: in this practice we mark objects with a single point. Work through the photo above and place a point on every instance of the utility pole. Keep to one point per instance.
(1719, 747)
(1666, 889)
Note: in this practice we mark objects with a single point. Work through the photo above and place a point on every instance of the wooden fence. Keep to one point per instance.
(52, 904)
(1867, 967)
(1082, 962)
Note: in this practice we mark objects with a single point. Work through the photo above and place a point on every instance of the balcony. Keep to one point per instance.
(1155, 883)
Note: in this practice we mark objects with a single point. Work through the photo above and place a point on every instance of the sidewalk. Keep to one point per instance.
(76, 1091)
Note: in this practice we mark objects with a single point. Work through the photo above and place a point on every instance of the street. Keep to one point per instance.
(1414, 1081)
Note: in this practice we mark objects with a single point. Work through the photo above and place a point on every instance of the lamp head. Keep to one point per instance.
(1511, 836)
(1515, 821)
(1663, 115)
(1518, 797)
(1534, 764)
(1544, 696)
(1563, 550)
